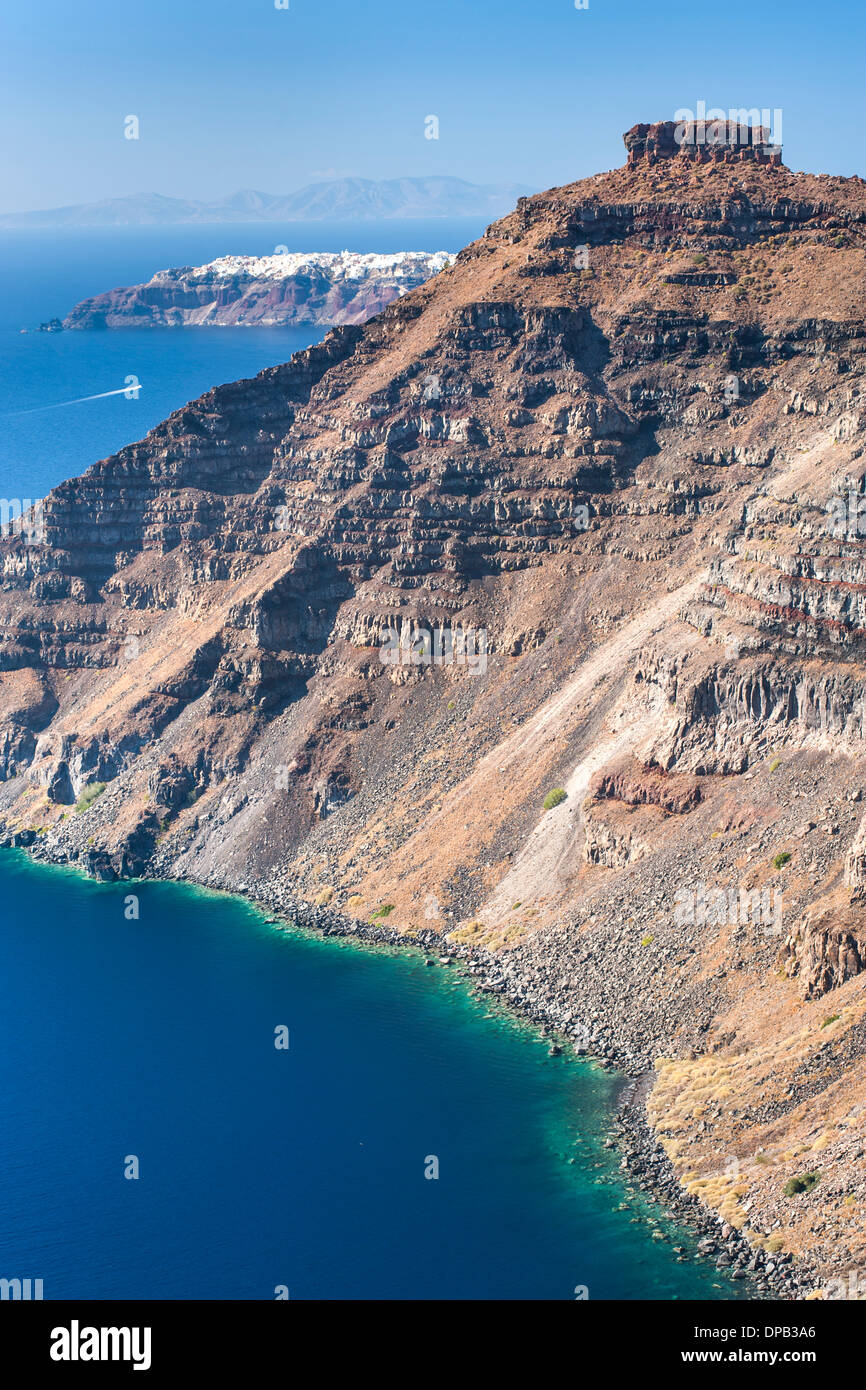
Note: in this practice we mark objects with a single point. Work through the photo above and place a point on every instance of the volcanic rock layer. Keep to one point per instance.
(576, 523)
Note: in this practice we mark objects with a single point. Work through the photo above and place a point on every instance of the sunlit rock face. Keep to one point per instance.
(287, 288)
(583, 514)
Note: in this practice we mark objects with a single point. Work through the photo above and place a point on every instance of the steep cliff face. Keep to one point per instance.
(579, 513)
(286, 288)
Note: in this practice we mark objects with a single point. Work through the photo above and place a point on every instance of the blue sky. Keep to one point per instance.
(235, 93)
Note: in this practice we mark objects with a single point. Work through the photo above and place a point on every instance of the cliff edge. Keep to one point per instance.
(534, 610)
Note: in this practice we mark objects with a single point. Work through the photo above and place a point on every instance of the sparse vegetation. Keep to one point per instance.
(781, 859)
(804, 1183)
(383, 911)
(554, 798)
(647, 940)
(777, 762)
(471, 932)
(831, 1019)
(88, 796)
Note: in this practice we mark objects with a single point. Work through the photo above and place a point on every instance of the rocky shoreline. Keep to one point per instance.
(644, 1161)
(649, 1168)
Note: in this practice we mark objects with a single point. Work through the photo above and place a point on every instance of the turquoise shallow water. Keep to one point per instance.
(305, 1168)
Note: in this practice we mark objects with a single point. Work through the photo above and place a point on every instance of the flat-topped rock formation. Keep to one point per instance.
(723, 141)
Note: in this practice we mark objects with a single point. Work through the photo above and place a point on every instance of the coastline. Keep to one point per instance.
(644, 1163)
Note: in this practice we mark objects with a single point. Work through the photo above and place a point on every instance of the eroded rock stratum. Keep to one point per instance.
(610, 463)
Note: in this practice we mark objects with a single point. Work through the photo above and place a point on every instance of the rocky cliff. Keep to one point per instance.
(574, 525)
(287, 288)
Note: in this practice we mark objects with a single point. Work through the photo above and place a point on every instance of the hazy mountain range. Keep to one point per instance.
(338, 200)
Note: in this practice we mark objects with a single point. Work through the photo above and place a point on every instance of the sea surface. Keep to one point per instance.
(43, 274)
(152, 1036)
(302, 1168)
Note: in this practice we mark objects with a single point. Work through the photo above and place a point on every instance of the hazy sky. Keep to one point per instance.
(238, 94)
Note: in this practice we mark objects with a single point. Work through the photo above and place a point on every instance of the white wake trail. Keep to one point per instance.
(131, 391)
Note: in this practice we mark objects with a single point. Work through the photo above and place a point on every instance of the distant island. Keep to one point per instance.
(340, 200)
(319, 287)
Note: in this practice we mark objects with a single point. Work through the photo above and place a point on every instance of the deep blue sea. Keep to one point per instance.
(154, 1037)
(304, 1167)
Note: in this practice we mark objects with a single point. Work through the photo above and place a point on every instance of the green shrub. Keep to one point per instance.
(554, 798)
(831, 1019)
(647, 940)
(781, 859)
(777, 762)
(804, 1183)
(383, 911)
(89, 795)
